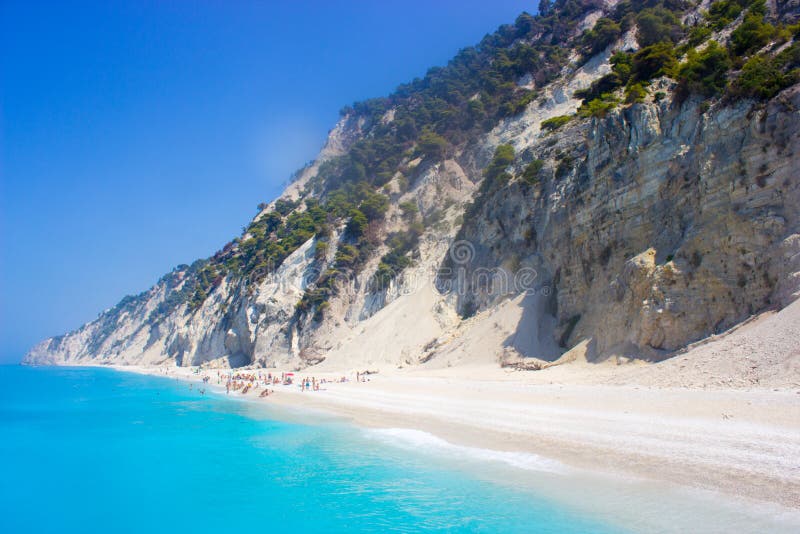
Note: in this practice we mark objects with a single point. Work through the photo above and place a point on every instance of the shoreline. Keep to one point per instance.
(741, 443)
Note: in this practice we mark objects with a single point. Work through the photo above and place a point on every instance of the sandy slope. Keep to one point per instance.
(762, 352)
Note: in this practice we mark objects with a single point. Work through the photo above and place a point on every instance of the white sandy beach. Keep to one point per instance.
(693, 420)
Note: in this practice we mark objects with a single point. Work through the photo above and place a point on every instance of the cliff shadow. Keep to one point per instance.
(533, 335)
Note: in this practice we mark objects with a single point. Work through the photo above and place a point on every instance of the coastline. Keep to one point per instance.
(740, 443)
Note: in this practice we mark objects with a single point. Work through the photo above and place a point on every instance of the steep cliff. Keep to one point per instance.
(666, 224)
(568, 182)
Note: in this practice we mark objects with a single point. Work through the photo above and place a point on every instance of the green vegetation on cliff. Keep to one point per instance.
(434, 117)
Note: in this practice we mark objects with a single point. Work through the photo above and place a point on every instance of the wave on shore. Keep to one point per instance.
(427, 442)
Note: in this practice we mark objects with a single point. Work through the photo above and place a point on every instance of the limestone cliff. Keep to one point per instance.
(667, 223)
(521, 231)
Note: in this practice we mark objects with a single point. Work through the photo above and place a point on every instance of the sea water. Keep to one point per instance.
(96, 450)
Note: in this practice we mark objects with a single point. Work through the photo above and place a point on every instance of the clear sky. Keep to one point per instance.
(136, 136)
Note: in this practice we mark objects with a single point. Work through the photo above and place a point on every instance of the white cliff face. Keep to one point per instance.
(646, 230)
(666, 224)
(235, 326)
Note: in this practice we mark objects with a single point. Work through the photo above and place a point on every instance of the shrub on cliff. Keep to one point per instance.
(598, 107)
(653, 61)
(503, 157)
(554, 123)
(409, 209)
(656, 25)
(705, 72)
(532, 170)
(374, 206)
(432, 145)
(604, 33)
(635, 93)
(357, 224)
(723, 12)
(763, 76)
(752, 34)
(284, 207)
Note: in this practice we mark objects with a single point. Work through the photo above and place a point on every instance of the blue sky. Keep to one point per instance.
(135, 136)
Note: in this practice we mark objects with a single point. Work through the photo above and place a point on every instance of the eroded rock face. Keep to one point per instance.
(786, 10)
(661, 225)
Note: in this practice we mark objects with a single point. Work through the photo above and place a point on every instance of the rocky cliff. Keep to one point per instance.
(572, 195)
(667, 224)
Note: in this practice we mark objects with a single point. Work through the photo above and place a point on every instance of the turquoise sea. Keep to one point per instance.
(96, 450)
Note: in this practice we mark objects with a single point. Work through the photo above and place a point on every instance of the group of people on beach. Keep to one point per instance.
(245, 382)
(310, 384)
(313, 384)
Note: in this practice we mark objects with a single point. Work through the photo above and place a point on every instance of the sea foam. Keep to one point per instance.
(419, 440)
